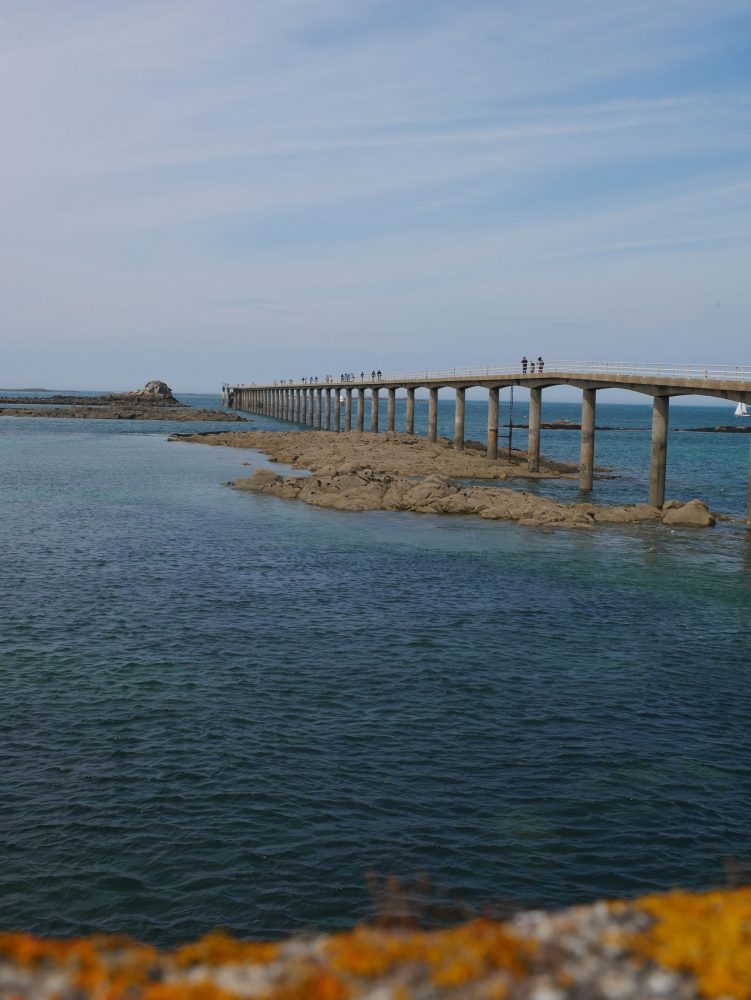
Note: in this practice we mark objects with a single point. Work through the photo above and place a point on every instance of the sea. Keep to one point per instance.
(220, 709)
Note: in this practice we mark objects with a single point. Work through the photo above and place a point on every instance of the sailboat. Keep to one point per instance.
(742, 411)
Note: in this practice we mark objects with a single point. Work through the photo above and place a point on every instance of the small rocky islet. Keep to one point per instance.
(155, 401)
(357, 471)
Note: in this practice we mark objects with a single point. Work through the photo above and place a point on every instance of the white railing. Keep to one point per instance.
(689, 373)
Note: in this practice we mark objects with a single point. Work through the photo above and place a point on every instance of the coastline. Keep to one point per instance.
(397, 472)
(674, 946)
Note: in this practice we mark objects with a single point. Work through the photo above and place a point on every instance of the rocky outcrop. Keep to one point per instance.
(356, 472)
(694, 514)
(675, 946)
(356, 488)
(154, 402)
(397, 454)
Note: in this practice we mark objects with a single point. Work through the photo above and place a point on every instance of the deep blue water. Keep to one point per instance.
(220, 708)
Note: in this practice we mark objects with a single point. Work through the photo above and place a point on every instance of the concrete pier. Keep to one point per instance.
(409, 418)
(659, 455)
(301, 402)
(432, 414)
(587, 445)
(361, 409)
(533, 439)
(459, 418)
(492, 445)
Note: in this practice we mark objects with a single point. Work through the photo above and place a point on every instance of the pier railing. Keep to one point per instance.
(692, 372)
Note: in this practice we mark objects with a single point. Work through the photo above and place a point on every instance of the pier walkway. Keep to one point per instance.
(327, 404)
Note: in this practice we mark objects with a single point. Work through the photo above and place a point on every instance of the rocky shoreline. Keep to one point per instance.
(675, 946)
(399, 472)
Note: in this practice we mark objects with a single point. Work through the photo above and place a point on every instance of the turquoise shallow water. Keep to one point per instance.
(219, 708)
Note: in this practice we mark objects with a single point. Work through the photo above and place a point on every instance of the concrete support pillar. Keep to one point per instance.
(310, 407)
(317, 419)
(659, 458)
(348, 409)
(432, 414)
(297, 406)
(304, 407)
(533, 438)
(374, 410)
(409, 417)
(587, 449)
(327, 410)
(361, 409)
(390, 408)
(337, 410)
(491, 449)
(459, 419)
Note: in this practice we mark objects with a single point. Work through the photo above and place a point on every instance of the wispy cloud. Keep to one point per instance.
(300, 176)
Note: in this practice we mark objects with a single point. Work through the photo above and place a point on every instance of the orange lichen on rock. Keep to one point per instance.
(678, 946)
(705, 934)
(451, 957)
(219, 948)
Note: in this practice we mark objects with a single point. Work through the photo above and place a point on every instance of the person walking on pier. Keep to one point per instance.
(524, 364)
(540, 364)
(531, 368)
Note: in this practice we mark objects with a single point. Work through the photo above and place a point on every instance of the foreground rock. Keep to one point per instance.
(357, 472)
(154, 402)
(677, 946)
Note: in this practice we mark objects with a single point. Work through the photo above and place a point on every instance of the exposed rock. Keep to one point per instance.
(159, 389)
(258, 480)
(694, 514)
(629, 514)
(357, 472)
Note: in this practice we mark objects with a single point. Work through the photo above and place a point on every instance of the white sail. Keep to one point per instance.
(741, 410)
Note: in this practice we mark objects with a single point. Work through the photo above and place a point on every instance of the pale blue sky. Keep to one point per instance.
(200, 191)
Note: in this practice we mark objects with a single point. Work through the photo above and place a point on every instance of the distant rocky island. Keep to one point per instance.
(155, 401)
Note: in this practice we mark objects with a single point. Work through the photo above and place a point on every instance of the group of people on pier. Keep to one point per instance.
(538, 365)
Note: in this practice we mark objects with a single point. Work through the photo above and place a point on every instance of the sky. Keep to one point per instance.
(240, 190)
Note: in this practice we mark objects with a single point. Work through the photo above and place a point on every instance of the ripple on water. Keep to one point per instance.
(222, 711)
